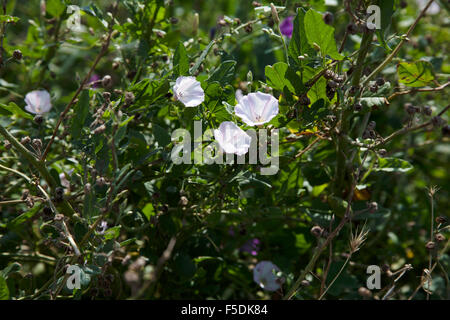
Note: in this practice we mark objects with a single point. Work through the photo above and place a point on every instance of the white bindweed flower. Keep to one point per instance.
(265, 275)
(38, 102)
(257, 108)
(232, 139)
(434, 8)
(189, 91)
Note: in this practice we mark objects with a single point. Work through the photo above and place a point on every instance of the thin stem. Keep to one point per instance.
(398, 47)
(335, 278)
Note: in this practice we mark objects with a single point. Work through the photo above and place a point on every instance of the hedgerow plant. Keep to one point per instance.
(93, 91)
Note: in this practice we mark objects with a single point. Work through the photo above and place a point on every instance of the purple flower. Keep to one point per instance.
(251, 246)
(287, 26)
(94, 80)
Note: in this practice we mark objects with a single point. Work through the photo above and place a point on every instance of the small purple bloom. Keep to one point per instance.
(93, 79)
(287, 26)
(251, 246)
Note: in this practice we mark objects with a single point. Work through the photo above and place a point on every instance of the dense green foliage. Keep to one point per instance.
(363, 138)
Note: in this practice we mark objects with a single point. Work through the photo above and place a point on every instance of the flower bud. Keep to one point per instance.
(99, 129)
(7, 145)
(382, 152)
(106, 81)
(275, 16)
(426, 110)
(328, 17)
(430, 245)
(351, 28)
(364, 292)
(17, 54)
(316, 231)
(25, 140)
(129, 98)
(37, 143)
(38, 119)
(439, 237)
(441, 220)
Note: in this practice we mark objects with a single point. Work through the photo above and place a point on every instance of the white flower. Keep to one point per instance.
(265, 276)
(63, 178)
(239, 95)
(189, 91)
(434, 8)
(38, 102)
(232, 139)
(257, 108)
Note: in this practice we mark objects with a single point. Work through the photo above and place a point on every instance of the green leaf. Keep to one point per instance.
(112, 233)
(393, 165)
(12, 268)
(299, 43)
(225, 73)
(180, 61)
(161, 135)
(14, 109)
(415, 74)
(280, 75)
(8, 19)
(16, 222)
(81, 111)
(4, 291)
(148, 91)
(148, 211)
(318, 32)
(55, 7)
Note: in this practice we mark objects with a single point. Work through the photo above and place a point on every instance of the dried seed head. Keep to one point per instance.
(316, 231)
(183, 201)
(446, 130)
(351, 28)
(25, 194)
(37, 144)
(371, 125)
(441, 220)
(430, 245)
(382, 152)
(99, 129)
(380, 81)
(25, 140)
(303, 100)
(87, 188)
(437, 121)
(332, 84)
(38, 119)
(410, 109)
(364, 292)
(173, 20)
(328, 17)
(329, 74)
(248, 28)
(353, 90)
(129, 98)
(107, 96)
(256, 4)
(7, 145)
(106, 81)
(426, 110)
(373, 88)
(17, 54)
(372, 207)
(357, 107)
(100, 181)
(305, 283)
(439, 237)
(357, 239)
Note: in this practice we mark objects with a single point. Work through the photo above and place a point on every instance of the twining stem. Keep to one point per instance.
(81, 87)
(398, 47)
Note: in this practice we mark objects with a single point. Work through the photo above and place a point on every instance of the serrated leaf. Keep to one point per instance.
(318, 32)
(415, 74)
